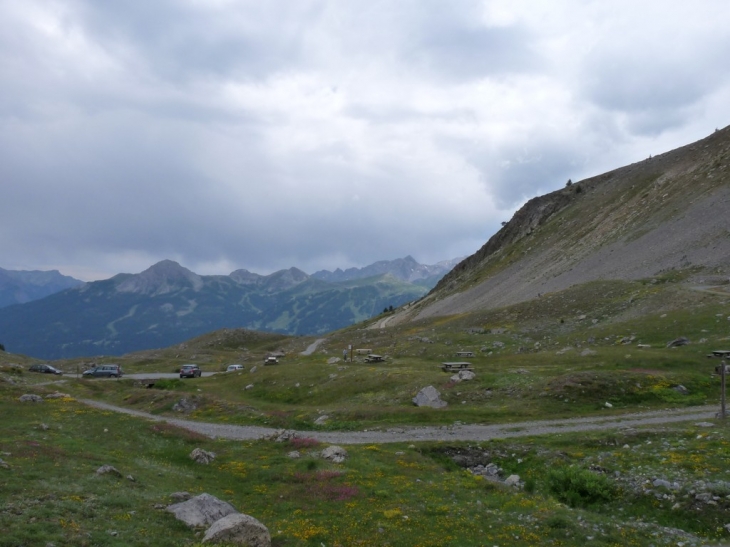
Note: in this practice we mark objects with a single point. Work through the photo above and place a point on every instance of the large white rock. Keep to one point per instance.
(199, 455)
(429, 396)
(334, 453)
(463, 376)
(238, 529)
(202, 510)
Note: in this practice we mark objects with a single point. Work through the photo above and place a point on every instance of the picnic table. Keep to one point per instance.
(723, 353)
(465, 353)
(373, 358)
(456, 366)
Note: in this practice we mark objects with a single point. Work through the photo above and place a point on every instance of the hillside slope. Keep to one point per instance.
(668, 214)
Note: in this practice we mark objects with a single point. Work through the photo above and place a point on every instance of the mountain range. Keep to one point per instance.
(167, 304)
(20, 286)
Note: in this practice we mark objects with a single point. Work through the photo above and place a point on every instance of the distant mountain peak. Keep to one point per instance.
(21, 286)
(406, 269)
(164, 277)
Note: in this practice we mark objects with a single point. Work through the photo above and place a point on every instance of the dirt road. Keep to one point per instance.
(437, 433)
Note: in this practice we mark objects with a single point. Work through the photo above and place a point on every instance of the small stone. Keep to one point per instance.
(108, 470)
(608, 405)
(294, 454)
(202, 456)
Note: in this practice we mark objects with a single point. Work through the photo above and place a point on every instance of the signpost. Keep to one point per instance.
(722, 369)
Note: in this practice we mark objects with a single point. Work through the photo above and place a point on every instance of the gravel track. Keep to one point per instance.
(313, 346)
(435, 433)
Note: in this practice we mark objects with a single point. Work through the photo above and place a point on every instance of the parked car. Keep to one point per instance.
(48, 369)
(104, 371)
(234, 368)
(190, 371)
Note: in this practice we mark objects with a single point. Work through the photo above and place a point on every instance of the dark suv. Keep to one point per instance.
(48, 369)
(103, 371)
(190, 371)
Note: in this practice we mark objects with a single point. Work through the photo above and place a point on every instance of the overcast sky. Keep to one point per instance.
(231, 134)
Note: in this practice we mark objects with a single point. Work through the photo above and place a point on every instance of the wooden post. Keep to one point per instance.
(722, 389)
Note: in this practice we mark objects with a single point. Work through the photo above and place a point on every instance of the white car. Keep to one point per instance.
(234, 368)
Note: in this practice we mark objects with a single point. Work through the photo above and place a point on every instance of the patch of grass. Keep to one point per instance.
(579, 487)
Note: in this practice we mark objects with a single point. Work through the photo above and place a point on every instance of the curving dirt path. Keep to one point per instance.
(311, 348)
(435, 433)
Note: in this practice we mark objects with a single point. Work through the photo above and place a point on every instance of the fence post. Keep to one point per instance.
(722, 389)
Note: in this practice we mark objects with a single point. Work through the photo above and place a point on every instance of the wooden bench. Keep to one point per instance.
(456, 366)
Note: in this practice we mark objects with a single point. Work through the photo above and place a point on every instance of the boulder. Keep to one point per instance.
(334, 453)
(202, 510)
(429, 396)
(333, 360)
(321, 420)
(30, 398)
(58, 395)
(281, 436)
(108, 470)
(463, 376)
(681, 341)
(512, 480)
(184, 405)
(202, 456)
(681, 389)
(238, 529)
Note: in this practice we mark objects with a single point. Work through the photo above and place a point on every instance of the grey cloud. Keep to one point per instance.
(476, 52)
(657, 84)
(126, 146)
(182, 41)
